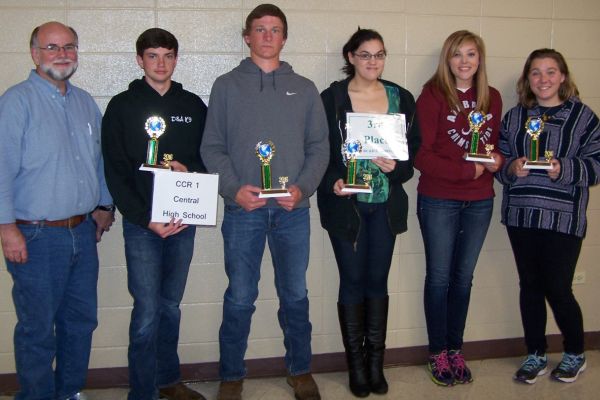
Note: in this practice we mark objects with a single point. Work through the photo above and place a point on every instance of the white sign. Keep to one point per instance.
(187, 196)
(381, 135)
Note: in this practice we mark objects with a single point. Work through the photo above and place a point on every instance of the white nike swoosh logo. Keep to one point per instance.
(290, 93)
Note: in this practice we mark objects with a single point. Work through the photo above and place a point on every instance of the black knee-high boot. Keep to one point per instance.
(352, 324)
(376, 326)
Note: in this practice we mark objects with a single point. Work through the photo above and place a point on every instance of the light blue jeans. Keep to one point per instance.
(244, 237)
(453, 233)
(55, 299)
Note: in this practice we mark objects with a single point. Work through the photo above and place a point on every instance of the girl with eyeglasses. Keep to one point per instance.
(363, 227)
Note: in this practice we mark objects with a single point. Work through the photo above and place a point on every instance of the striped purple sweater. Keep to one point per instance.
(536, 201)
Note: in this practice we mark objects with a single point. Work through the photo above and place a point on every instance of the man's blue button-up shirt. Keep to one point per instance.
(50, 155)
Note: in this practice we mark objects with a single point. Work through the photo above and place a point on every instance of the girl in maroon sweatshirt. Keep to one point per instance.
(455, 196)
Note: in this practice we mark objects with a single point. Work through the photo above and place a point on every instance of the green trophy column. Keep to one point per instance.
(266, 176)
(351, 176)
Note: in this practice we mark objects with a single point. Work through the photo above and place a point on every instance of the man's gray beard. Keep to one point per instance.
(57, 75)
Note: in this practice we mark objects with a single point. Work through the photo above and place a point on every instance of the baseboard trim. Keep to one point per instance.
(266, 367)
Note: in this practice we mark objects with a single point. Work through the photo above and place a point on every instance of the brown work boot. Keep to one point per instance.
(305, 387)
(179, 391)
(230, 390)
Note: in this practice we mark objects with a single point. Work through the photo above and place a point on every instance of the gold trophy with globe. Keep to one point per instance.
(476, 120)
(155, 126)
(265, 152)
(351, 148)
(534, 126)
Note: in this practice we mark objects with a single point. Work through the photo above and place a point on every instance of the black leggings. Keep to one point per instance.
(546, 262)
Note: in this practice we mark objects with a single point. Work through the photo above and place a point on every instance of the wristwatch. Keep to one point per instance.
(109, 208)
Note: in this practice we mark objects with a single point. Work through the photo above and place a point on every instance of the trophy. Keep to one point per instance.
(476, 120)
(155, 127)
(265, 152)
(350, 150)
(534, 127)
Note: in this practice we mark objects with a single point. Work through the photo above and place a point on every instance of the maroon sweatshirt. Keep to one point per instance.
(446, 137)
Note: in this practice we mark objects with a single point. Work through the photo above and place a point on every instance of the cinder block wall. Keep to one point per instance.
(209, 32)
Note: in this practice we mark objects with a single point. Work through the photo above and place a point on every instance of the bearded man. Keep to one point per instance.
(55, 207)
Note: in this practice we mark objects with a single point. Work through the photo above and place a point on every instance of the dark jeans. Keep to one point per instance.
(453, 234)
(364, 269)
(546, 262)
(55, 299)
(157, 271)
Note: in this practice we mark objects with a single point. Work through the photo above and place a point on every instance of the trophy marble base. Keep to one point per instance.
(357, 189)
(482, 158)
(266, 193)
(537, 165)
(150, 167)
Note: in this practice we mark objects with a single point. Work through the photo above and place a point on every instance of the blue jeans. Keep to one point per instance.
(364, 267)
(56, 304)
(157, 271)
(244, 237)
(453, 233)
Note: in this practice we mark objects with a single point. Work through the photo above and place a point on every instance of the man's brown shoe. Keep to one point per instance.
(179, 391)
(305, 387)
(230, 390)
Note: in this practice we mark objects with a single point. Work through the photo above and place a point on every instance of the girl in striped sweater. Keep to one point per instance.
(544, 210)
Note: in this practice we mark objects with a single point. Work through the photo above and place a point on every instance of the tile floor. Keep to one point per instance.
(493, 381)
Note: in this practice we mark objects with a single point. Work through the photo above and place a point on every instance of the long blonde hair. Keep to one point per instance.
(444, 80)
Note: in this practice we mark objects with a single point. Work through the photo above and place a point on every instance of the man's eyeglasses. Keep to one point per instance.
(54, 49)
(366, 56)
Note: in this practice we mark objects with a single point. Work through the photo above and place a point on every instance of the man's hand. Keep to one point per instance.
(104, 220)
(247, 198)
(290, 202)
(13, 243)
(164, 230)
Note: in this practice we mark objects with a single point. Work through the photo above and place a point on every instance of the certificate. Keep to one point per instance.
(381, 135)
(187, 196)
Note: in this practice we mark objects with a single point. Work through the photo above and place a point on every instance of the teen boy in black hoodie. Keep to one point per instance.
(158, 255)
